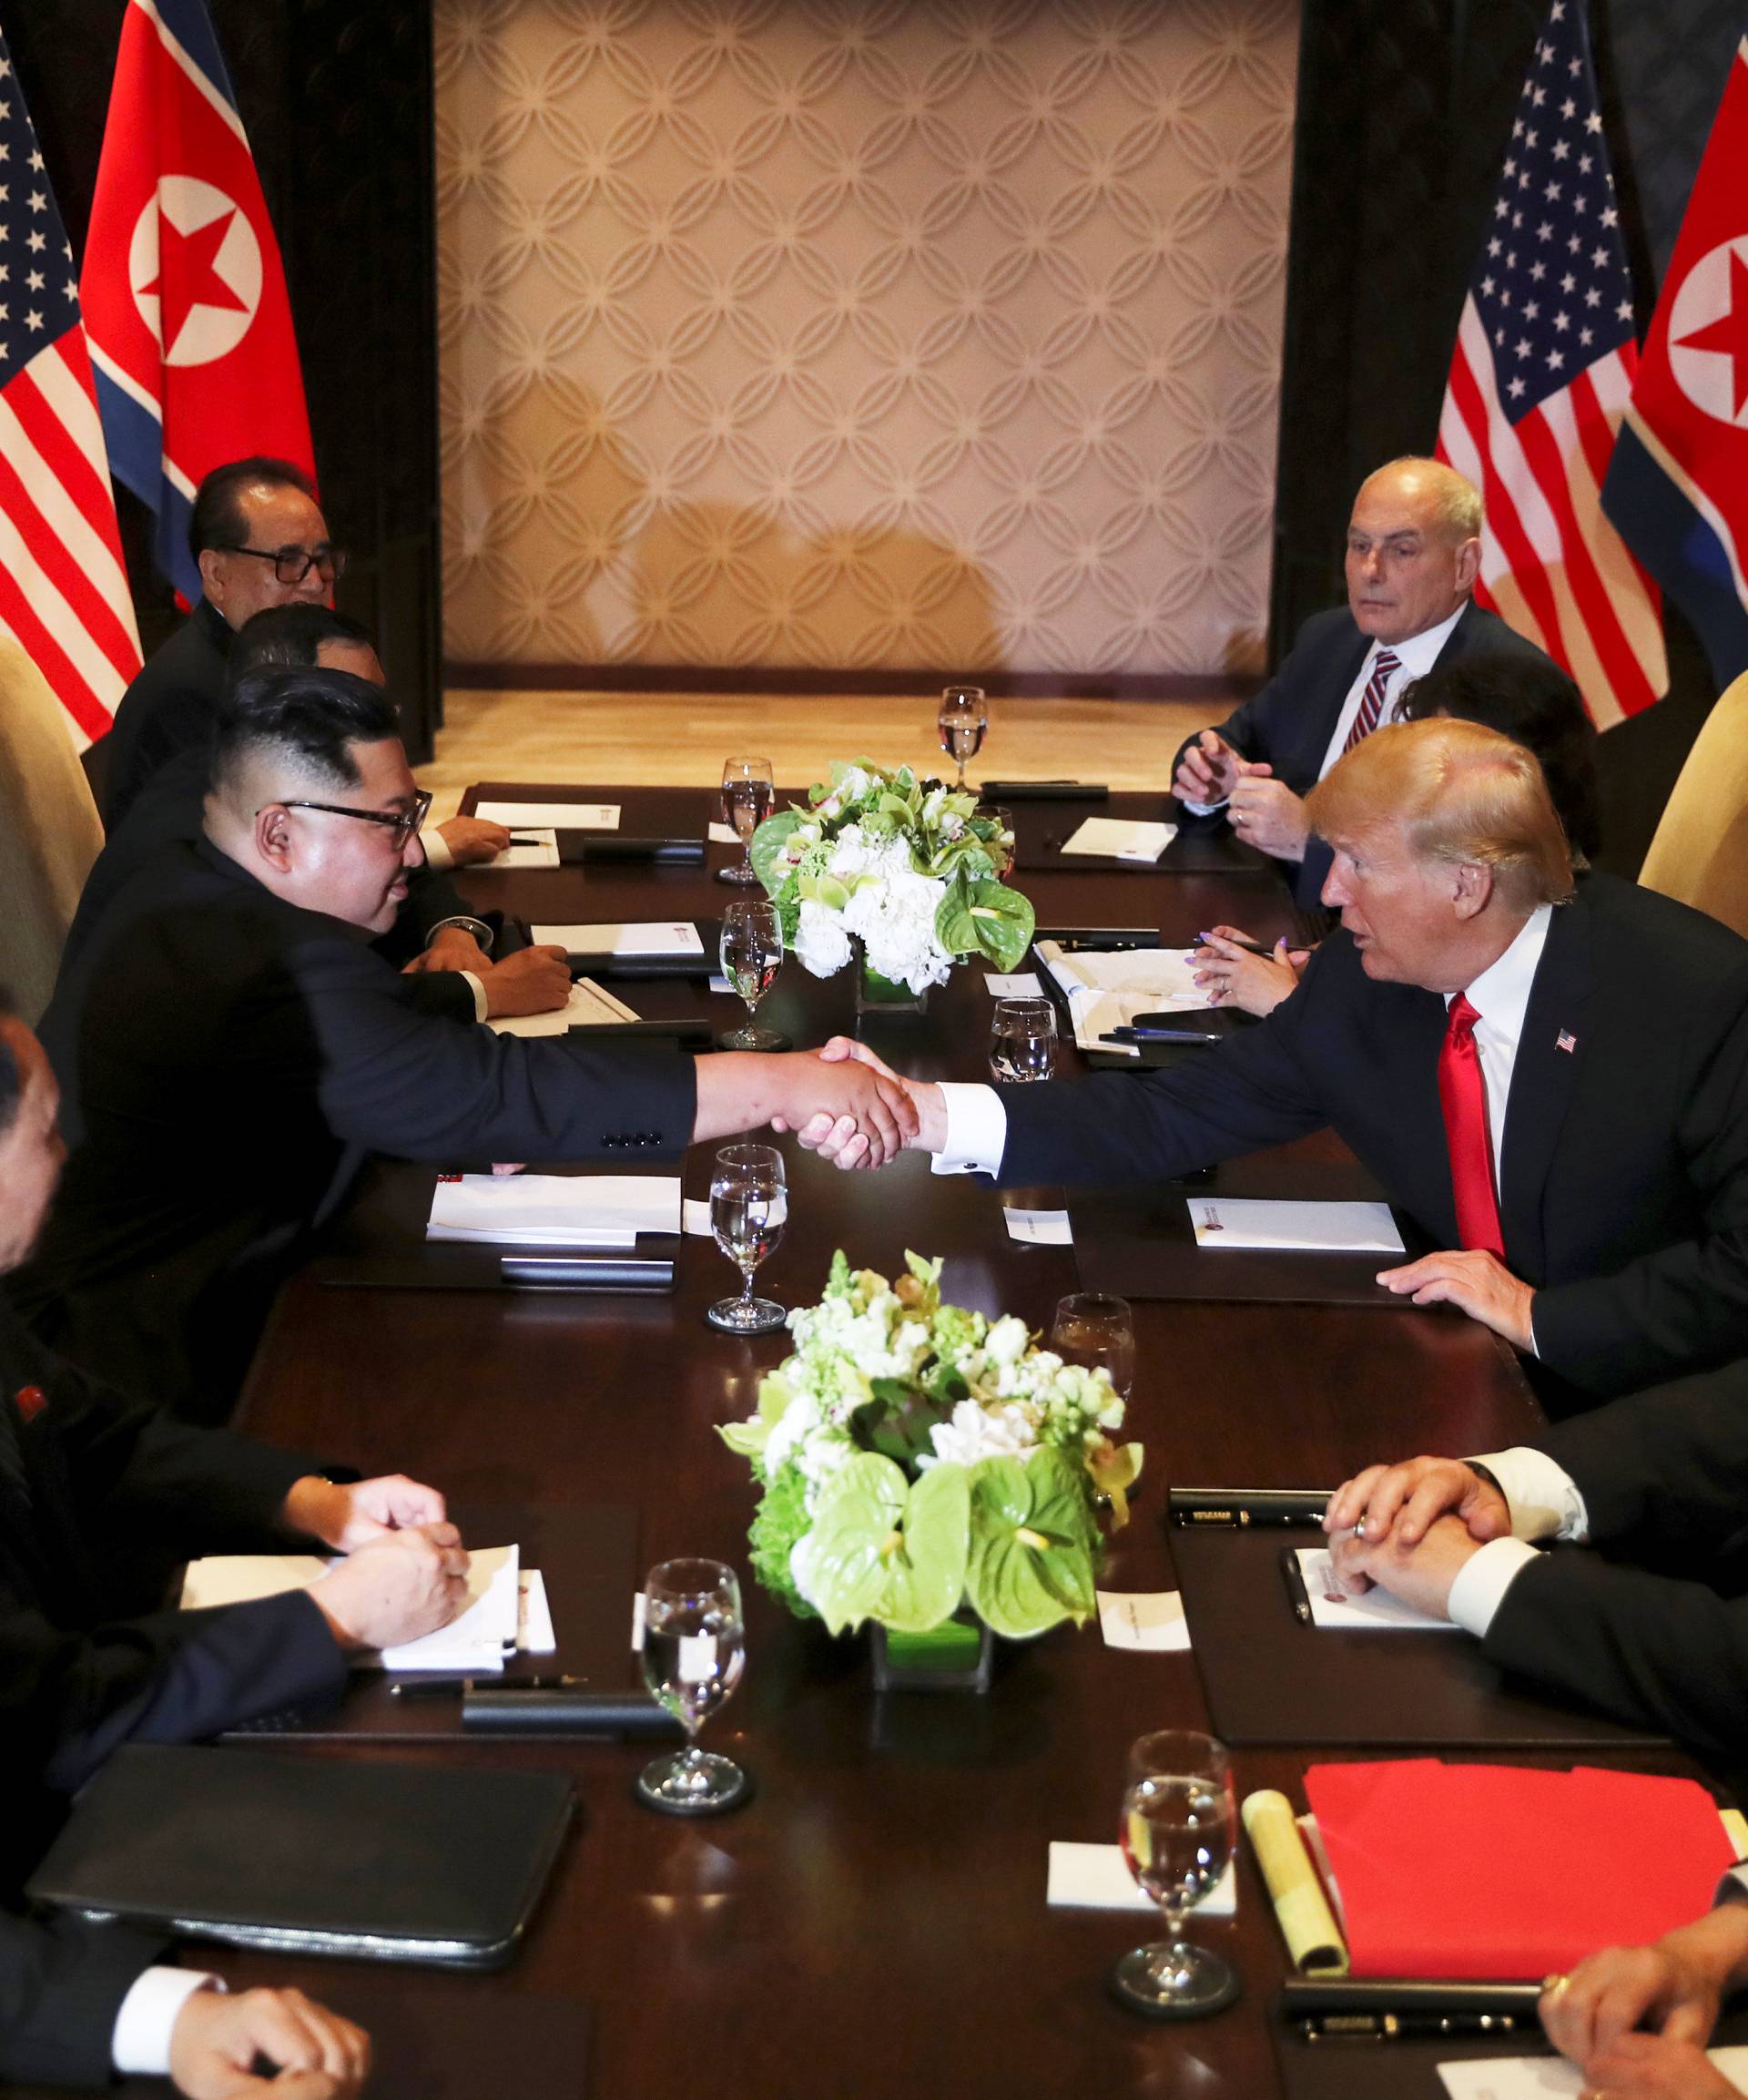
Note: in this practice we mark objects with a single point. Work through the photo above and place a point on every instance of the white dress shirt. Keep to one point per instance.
(1545, 1504)
(1414, 658)
(140, 2045)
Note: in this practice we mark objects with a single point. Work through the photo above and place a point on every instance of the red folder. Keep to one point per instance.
(1509, 1872)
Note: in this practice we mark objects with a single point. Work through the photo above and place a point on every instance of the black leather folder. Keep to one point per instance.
(432, 1864)
(1001, 791)
(1270, 1679)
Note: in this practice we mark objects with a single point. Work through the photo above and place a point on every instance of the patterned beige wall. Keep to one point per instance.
(861, 333)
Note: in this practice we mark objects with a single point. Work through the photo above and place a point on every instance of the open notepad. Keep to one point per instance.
(1107, 991)
(1120, 839)
(551, 816)
(606, 1210)
(650, 937)
(590, 1005)
(471, 1644)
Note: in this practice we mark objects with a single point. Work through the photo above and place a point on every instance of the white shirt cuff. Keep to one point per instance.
(1202, 808)
(977, 1130)
(141, 2041)
(437, 853)
(481, 1009)
(1485, 1577)
(1544, 1497)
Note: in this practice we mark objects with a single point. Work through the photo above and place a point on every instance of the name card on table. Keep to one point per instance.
(1149, 1620)
(1097, 1877)
(550, 816)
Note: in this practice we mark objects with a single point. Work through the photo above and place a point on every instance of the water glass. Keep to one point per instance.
(748, 797)
(749, 1208)
(1177, 1829)
(1022, 1039)
(1094, 1328)
(963, 720)
(695, 1649)
(752, 954)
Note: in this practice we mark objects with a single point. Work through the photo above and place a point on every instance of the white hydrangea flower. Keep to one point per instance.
(973, 1433)
(820, 941)
(1006, 1340)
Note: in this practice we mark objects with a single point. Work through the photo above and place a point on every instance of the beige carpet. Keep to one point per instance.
(681, 739)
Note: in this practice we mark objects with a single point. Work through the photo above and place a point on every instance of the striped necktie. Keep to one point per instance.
(1385, 665)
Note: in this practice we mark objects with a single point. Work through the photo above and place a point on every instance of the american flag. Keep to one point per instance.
(64, 594)
(1544, 364)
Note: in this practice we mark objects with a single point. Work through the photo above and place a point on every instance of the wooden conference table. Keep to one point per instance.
(874, 1923)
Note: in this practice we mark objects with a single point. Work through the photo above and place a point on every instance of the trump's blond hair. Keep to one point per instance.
(1462, 794)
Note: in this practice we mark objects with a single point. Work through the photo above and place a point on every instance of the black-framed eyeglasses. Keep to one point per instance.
(403, 825)
(291, 565)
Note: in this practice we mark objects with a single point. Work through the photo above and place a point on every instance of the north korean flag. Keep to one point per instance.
(1678, 484)
(184, 296)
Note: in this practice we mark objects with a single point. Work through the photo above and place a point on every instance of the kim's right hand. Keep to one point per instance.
(395, 1588)
(531, 981)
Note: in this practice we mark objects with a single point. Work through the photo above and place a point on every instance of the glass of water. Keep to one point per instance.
(1022, 1039)
(963, 720)
(752, 954)
(1177, 1827)
(749, 1204)
(1094, 1328)
(695, 1649)
(748, 797)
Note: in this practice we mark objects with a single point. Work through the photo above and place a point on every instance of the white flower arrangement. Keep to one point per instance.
(908, 869)
(915, 1456)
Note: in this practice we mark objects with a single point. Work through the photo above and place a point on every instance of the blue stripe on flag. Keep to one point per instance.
(136, 446)
(187, 21)
(1682, 550)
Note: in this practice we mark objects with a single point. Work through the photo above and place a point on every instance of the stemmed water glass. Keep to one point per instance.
(752, 954)
(748, 797)
(1022, 1039)
(695, 1649)
(964, 717)
(1094, 1328)
(1177, 1829)
(749, 1208)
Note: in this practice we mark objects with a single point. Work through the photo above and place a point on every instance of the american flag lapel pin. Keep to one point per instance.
(1566, 1041)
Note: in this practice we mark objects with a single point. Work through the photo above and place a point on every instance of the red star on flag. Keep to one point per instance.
(186, 274)
(1728, 331)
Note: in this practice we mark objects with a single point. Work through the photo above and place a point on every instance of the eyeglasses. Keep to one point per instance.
(403, 826)
(291, 565)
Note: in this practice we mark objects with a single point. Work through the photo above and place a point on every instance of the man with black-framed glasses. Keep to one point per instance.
(239, 1048)
(258, 533)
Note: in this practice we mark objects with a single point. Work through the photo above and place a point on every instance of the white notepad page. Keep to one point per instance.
(603, 1210)
(550, 816)
(1241, 1221)
(651, 937)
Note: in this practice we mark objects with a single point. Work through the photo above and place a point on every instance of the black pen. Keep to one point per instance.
(1410, 2027)
(1160, 1036)
(1293, 1576)
(1235, 941)
(456, 1688)
(1237, 1508)
(528, 838)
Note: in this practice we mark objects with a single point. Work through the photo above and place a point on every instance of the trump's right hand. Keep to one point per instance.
(1207, 771)
(217, 2037)
(396, 1587)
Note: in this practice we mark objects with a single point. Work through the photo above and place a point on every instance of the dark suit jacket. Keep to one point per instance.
(61, 1987)
(1290, 722)
(87, 1476)
(169, 810)
(1625, 1190)
(235, 1058)
(168, 708)
(1664, 1477)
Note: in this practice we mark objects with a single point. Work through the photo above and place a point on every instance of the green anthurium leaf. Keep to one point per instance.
(768, 841)
(1034, 1543)
(882, 1549)
(744, 1438)
(987, 918)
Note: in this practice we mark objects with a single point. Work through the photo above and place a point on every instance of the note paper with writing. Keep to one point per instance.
(1241, 1221)
(1358, 1611)
(1552, 2078)
(588, 1006)
(532, 849)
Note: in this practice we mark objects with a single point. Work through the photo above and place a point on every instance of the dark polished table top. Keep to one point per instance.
(874, 1923)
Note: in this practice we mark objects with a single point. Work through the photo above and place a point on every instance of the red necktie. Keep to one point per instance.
(1371, 701)
(1462, 1094)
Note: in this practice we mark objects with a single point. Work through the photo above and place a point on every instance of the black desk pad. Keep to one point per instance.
(587, 1557)
(1270, 1679)
(1139, 1242)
